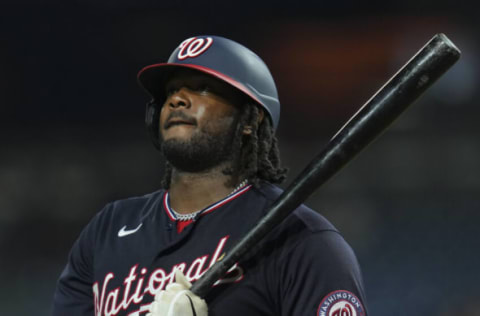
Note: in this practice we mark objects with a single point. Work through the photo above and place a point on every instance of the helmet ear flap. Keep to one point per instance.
(152, 119)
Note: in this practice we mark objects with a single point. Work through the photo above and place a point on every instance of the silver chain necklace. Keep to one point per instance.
(191, 216)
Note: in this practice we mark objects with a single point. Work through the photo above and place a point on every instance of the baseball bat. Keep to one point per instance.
(417, 75)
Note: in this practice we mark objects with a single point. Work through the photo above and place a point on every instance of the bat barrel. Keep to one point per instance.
(419, 73)
(406, 86)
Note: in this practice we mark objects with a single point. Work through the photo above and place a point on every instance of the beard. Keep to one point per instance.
(203, 151)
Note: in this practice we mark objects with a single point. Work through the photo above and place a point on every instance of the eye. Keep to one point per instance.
(203, 88)
(171, 90)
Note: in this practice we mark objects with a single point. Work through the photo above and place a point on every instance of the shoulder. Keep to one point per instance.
(303, 230)
(302, 218)
(307, 247)
(137, 205)
(130, 210)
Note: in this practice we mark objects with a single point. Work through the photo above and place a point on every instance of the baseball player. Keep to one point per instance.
(213, 115)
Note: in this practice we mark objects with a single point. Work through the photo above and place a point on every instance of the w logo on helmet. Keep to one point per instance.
(193, 47)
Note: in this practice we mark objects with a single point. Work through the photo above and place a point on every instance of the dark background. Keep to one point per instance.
(73, 138)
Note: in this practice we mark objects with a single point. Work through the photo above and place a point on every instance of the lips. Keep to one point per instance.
(177, 122)
(179, 118)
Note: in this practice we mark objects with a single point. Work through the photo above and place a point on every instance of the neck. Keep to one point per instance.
(190, 192)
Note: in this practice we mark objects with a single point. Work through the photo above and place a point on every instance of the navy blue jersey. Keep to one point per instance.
(131, 249)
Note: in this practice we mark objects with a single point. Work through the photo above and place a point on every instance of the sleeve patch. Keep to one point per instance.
(341, 303)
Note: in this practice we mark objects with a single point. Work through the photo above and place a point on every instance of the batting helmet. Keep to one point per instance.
(221, 58)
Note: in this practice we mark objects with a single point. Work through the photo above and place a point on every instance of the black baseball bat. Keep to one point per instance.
(417, 75)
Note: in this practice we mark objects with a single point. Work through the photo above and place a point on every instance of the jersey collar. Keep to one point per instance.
(208, 209)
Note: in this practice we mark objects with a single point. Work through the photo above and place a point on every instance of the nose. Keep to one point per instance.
(179, 98)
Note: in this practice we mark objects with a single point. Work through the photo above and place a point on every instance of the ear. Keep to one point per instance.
(247, 130)
(261, 115)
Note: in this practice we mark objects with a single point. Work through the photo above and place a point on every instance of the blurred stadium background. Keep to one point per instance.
(73, 138)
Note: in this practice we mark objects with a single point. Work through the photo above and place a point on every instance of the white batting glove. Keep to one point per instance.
(178, 300)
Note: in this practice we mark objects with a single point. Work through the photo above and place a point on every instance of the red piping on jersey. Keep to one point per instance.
(167, 207)
(208, 209)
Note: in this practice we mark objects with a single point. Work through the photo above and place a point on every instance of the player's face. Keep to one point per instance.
(198, 120)
(196, 102)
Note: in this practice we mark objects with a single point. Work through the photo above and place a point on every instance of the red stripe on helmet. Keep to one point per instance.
(240, 86)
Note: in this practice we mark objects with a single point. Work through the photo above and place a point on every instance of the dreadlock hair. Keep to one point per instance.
(255, 155)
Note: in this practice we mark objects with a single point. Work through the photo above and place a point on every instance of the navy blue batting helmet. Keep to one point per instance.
(219, 57)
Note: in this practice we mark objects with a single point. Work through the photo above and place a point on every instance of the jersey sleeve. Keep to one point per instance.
(73, 294)
(321, 276)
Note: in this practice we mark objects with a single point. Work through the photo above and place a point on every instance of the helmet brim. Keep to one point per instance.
(153, 78)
